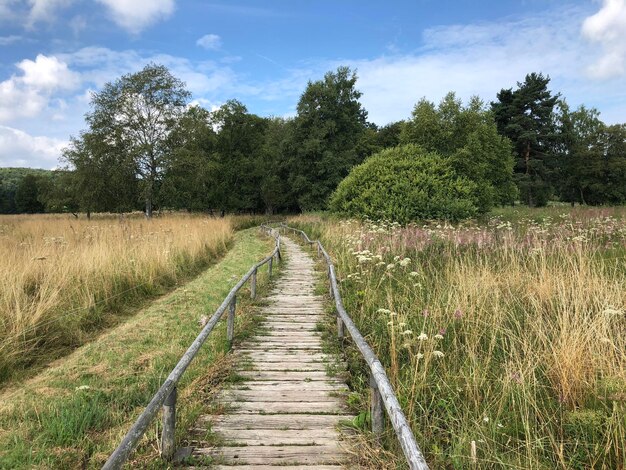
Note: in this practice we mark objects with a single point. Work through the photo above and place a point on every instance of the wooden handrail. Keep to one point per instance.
(166, 395)
(380, 386)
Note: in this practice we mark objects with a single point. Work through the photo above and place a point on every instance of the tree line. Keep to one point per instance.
(147, 148)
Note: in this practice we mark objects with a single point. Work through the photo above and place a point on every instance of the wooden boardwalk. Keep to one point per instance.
(286, 411)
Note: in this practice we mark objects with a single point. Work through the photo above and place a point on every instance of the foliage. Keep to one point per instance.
(326, 132)
(468, 137)
(404, 184)
(594, 158)
(525, 116)
(146, 147)
(11, 178)
(133, 118)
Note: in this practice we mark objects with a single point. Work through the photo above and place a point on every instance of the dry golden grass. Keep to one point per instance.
(62, 278)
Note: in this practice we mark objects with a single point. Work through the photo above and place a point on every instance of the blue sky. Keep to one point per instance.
(53, 53)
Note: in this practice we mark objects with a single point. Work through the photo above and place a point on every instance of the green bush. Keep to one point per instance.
(404, 184)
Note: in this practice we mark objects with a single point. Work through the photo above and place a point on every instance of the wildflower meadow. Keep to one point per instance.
(504, 338)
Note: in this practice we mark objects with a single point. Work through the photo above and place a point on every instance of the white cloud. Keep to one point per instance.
(44, 10)
(48, 73)
(18, 148)
(136, 15)
(7, 10)
(28, 94)
(8, 40)
(608, 28)
(210, 41)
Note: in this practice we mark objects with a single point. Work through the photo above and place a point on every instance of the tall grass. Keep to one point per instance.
(62, 278)
(507, 337)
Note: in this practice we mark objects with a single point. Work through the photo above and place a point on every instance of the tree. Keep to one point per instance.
(136, 114)
(192, 173)
(27, 195)
(526, 117)
(274, 177)
(468, 138)
(239, 147)
(327, 129)
(104, 176)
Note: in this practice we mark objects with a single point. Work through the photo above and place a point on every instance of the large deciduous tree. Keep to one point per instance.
(136, 114)
(525, 116)
(327, 130)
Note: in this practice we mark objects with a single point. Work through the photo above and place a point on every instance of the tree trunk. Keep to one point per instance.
(148, 208)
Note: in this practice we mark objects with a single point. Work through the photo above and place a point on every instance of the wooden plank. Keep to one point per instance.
(288, 376)
(327, 407)
(273, 467)
(272, 421)
(302, 436)
(284, 395)
(277, 455)
(286, 367)
(287, 386)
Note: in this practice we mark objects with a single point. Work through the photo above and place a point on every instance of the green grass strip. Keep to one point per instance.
(74, 413)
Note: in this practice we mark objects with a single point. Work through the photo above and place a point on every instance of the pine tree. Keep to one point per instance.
(525, 116)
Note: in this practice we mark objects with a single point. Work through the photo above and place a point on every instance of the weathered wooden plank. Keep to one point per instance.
(290, 367)
(272, 467)
(272, 421)
(327, 407)
(284, 395)
(287, 386)
(288, 376)
(277, 455)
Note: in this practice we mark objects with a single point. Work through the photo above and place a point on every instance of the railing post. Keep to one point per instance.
(253, 285)
(169, 426)
(377, 410)
(319, 251)
(230, 326)
(270, 266)
(340, 331)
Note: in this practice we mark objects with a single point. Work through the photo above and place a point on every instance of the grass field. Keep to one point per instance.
(73, 414)
(62, 279)
(506, 336)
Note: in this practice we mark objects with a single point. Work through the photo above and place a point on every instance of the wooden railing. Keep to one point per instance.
(382, 393)
(165, 397)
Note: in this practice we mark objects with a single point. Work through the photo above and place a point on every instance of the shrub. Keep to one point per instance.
(404, 184)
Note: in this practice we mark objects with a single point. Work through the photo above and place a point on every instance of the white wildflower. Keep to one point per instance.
(438, 354)
(419, 356)
(390, 266)
(405, 262)
(83, 387)
(423, 336)
(610, 311)
(413, 274)
(438, 336)
(383, 310)
(407, 332)
(486, 419)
